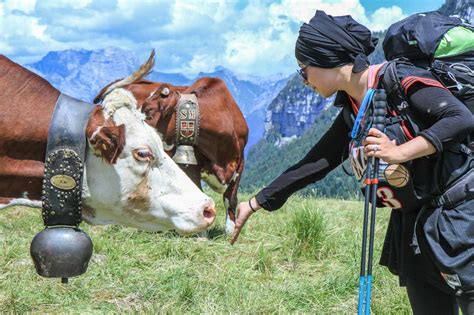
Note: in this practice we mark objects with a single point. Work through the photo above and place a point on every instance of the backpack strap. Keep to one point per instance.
(396, 94)
(407, 82)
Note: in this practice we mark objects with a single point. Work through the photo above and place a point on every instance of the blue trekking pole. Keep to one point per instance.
(371, 181)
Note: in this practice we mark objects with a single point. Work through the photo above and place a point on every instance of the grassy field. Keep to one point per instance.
(303, 258)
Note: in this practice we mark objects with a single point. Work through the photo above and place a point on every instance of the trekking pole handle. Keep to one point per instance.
(380, 104)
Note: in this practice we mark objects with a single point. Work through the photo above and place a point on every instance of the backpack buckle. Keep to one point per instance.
(393, 120)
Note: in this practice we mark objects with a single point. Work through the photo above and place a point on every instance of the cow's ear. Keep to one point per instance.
(109, 141)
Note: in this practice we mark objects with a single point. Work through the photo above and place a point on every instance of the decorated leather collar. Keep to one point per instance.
(187, 120)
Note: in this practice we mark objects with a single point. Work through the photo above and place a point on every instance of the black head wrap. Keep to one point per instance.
(333, 41)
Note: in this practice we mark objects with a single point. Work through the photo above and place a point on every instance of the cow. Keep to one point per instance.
(128, 178)
(223, 130)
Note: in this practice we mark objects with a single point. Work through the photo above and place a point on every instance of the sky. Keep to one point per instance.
(253, 37)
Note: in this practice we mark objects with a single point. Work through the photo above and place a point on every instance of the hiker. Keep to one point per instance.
(331, 52)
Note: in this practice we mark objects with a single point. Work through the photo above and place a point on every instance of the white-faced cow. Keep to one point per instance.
(128, 179)
(223, 130)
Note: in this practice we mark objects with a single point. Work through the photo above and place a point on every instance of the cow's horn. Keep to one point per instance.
(144, 70)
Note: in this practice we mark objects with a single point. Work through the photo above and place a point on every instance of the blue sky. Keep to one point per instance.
(254, 37)
(408, 6)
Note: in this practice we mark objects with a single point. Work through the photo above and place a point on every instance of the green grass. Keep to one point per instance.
(303, 258)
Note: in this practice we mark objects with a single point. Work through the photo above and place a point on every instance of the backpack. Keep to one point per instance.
(441, 44)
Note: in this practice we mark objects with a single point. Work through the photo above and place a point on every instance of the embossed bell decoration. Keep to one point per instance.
(185, 155)
(61, 252)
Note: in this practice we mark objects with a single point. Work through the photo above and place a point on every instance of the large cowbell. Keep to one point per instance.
(62, 250)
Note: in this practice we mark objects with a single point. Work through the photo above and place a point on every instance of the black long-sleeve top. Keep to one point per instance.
(445, 121)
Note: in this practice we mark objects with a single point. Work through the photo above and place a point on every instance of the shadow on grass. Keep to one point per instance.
(216, 232)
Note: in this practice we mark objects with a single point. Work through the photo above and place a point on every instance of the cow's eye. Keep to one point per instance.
(143, 154)
(148, 113)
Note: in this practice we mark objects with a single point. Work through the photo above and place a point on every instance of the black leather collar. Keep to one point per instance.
(64, 162)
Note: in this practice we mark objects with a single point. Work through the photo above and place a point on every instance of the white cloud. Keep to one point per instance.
(254, 37)
(57, 4)
(381, 18)
(21, 33)
(303, 11)
(201, 63)
(25, 6)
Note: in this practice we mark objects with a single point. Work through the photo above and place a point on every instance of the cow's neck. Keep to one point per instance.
(25, 120)
(166, 127)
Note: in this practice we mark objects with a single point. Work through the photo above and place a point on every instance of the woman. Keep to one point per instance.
(332, 54)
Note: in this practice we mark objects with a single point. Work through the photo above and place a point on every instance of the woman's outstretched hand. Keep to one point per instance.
(243, 213)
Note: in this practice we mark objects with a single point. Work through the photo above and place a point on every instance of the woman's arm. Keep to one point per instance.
(379, 145)
(326, 155)
(445, 119)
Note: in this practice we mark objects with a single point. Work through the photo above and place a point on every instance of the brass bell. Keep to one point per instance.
(185, 155)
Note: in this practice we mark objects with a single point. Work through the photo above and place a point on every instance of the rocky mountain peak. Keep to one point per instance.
(462, 8)
(294, 110)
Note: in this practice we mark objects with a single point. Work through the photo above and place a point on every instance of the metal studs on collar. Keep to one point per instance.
(62, 188)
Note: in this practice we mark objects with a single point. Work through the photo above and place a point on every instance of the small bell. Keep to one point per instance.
(185, 155)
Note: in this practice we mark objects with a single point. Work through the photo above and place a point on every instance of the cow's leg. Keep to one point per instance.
(230, 199)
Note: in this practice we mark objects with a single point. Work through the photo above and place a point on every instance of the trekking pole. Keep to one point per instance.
(370, 194)
(368, 181)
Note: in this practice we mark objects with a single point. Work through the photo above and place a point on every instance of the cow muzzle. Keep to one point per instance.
(209, 215)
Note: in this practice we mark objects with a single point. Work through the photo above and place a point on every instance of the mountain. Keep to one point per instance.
(83, 73)
(295, 120)
(462, 8)
(253, 95)
(173, 78)
(265, 161)
(294, 110)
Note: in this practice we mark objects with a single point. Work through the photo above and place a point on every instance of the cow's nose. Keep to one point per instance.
(209, 214)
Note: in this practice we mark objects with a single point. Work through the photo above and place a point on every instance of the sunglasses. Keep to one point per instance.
(302, 73)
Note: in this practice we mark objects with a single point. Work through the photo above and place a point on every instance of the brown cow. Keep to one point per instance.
(128, 178)
(223, 130)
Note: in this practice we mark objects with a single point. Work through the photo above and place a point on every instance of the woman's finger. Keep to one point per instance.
(235, 235)
(375, 133)
(243, 213)
(372, 140)
(372, 148)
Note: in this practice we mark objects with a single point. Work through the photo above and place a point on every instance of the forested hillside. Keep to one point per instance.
(266, 161)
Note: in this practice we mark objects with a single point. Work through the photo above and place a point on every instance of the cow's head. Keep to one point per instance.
(129, 178)
(160, 104)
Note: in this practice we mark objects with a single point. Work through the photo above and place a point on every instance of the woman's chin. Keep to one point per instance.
(323, 94)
